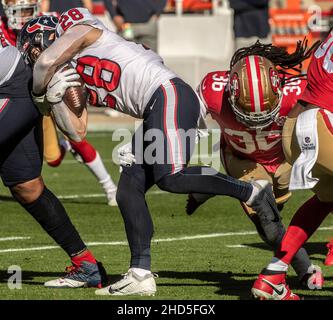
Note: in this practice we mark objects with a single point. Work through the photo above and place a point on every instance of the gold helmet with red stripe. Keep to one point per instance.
(19, 12)
(255, 91)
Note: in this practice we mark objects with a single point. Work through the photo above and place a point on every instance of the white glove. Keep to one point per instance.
(125, 155)
(59, 83)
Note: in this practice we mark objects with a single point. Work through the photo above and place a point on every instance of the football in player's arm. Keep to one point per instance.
(167, 104)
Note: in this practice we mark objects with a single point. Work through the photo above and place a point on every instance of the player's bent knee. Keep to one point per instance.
(28, 191)
(168, 183)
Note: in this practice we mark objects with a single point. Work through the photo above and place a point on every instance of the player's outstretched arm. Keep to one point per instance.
(62, 50)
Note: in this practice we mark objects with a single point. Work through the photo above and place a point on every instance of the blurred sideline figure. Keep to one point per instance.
(64, 5)
(250, 22)
(136, 20)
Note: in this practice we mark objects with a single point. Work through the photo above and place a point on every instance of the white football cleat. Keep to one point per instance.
(131, 284)
(86, 275)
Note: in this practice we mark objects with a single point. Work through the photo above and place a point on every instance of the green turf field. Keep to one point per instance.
(214, 254)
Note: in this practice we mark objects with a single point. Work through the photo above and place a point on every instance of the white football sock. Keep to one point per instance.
(141, 272)
(277, 265)
(98, 169)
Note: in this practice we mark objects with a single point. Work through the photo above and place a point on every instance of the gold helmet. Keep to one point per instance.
(19, 12)
(255, 91)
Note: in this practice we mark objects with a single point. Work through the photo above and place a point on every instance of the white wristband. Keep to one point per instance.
(41, 103)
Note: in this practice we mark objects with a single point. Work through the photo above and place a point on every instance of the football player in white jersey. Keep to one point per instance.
(133, 80)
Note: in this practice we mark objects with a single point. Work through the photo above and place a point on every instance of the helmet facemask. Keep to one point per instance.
(36, 36)
(255, 92)
(19, 12)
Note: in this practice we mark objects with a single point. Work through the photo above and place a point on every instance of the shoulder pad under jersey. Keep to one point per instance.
(74, 17)
(212, 89)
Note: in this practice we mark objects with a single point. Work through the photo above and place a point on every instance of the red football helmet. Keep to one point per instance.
(255, 91)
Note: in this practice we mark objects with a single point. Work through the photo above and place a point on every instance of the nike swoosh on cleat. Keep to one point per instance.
(119, 289)
(279, 292)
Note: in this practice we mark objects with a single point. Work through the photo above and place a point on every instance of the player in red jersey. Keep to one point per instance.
(307, 144)
(18, 12)
(250, 103)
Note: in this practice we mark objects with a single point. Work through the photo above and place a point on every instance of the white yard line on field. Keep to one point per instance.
(14, 238)
(194, 157)
(99, 195)
(124, 243)
(237, 246)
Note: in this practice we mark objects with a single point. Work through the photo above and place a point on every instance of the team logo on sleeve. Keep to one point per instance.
(43, 24)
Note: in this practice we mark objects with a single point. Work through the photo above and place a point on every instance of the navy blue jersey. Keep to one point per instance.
(15, 75)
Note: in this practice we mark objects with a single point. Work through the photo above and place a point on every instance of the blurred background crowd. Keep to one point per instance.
(198, 36)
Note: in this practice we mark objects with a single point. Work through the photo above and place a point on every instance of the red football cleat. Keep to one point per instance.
(329, 256)
(272, 287)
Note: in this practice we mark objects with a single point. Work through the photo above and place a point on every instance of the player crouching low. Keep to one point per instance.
(250, 103)
(307, 144)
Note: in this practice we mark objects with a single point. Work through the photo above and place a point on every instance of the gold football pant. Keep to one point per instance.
(52, 150)
(248, 170)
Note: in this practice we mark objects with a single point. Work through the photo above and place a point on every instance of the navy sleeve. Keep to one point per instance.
(244, 5)
(159, 6)
(110, 7)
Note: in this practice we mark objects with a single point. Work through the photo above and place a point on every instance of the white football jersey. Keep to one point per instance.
(118, 74)
(10, 57)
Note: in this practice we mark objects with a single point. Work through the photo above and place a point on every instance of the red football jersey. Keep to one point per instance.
(261, 146)
(319, 90)
(7, 33)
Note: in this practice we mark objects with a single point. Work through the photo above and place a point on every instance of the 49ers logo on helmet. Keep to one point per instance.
(234, 86)
(42, 24)
(275, 80)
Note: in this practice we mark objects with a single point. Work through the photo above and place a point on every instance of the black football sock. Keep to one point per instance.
(51, 215)
(207, 181)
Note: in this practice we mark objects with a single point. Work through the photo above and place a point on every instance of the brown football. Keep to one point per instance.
(75, 98)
